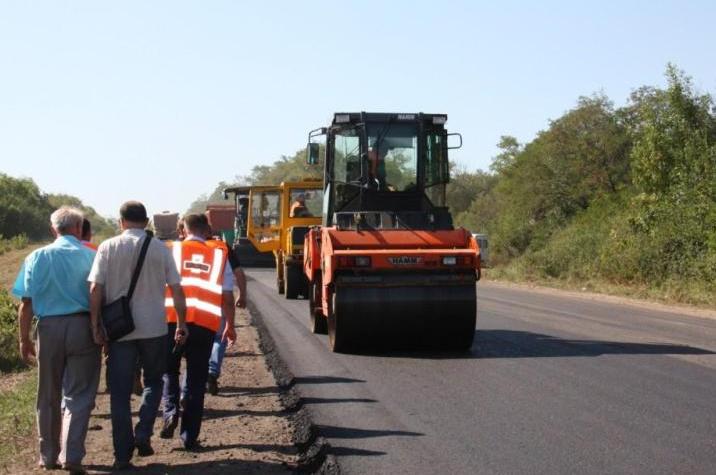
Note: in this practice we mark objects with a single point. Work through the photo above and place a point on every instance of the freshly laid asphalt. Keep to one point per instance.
(553, 384)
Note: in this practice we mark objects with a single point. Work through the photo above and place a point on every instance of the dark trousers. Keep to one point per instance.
(121, 364)
(197, 350)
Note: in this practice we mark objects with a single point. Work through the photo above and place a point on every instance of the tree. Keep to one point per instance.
(102, 227)
(24, 209)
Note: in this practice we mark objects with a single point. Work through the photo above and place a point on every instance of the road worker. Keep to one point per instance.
(208, 285)
(298, 207)
(219, 347)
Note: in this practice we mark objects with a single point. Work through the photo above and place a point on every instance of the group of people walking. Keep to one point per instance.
(181, 303)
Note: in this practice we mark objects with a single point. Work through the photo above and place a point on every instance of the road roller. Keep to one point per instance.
(273, 221)
(387, 267)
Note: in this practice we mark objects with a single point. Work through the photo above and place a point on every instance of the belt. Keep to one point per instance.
(75, 314)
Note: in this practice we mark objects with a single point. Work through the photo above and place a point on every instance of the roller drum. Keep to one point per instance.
(405, 316)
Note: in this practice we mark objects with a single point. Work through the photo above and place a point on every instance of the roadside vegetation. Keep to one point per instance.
(24, 225)
(614, 199)
(17, 417)
(16, 242)
(25, 211)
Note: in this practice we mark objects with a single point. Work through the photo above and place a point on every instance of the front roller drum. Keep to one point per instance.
(438, 317)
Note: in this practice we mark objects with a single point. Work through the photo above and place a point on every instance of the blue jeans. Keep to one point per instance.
(121, 363)
(218, 351)
(196, 351)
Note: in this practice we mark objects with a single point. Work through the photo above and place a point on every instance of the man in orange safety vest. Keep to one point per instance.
(208, 285)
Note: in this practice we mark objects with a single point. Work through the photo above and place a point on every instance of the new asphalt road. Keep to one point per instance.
(554, 383)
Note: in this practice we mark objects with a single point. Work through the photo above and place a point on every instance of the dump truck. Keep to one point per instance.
(277, 219)
(386, 265)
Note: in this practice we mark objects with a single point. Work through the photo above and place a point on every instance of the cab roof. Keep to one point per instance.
(352, 117)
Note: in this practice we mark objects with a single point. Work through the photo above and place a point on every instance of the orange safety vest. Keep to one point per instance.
(201, 267)
(218, 243)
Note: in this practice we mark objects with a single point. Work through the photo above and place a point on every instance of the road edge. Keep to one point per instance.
(588, 295)
(313, 450)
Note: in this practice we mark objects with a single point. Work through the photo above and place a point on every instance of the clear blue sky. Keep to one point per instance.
(159, 101)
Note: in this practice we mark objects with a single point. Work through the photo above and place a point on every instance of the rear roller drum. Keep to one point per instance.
(339, 338)
(317, 319)
(294, 281)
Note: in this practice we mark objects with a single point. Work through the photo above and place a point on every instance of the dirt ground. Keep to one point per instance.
(245, 429)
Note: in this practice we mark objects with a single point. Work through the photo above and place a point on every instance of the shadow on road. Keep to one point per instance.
(523, 344)
(335, 432)
(344, 451)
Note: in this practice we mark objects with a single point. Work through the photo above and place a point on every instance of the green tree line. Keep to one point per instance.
(286, 168)
(25, 210)
(622, 195)
(616, 195)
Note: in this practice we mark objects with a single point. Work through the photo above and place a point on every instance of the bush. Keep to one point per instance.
(16, 242)
(9, 352)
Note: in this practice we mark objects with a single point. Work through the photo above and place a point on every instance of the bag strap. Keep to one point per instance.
(138, 267)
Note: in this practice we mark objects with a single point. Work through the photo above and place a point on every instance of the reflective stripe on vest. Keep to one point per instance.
(201, 268)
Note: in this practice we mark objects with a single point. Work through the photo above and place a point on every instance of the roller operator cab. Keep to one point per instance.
(387, 267)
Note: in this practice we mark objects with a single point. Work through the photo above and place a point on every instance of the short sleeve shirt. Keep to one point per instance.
(113, 267)
(55, 278)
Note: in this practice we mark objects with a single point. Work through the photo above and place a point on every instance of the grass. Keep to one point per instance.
(17, 417)
(17, 242)
(10, 263)
(673, 291)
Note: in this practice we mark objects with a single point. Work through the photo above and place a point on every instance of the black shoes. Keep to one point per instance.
(169, 426)
(122, 466)
(212, 385)
(193, 446)
(144, 449)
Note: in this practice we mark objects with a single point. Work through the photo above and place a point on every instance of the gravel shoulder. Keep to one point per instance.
(246, 428)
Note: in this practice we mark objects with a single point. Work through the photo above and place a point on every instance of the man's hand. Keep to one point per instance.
(27, 348)
(98, 335)
(27, 351)
(229, 334)
(181, 334)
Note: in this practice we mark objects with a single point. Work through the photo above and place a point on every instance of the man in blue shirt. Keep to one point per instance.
(52, 285)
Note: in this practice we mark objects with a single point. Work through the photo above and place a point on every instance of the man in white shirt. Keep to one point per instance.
(110, 278)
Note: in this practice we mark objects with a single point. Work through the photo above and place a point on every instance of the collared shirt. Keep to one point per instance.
(228, 283)
(55, 278)
(113, 267)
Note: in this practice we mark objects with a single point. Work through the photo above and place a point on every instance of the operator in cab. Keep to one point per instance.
(298, 207)
(377, 169)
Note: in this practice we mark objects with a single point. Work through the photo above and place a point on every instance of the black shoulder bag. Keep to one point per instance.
(117, 316)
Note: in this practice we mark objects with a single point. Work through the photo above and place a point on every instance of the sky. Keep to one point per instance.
(159, 101)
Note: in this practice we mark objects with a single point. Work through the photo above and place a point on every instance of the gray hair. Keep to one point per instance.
(65, 218)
